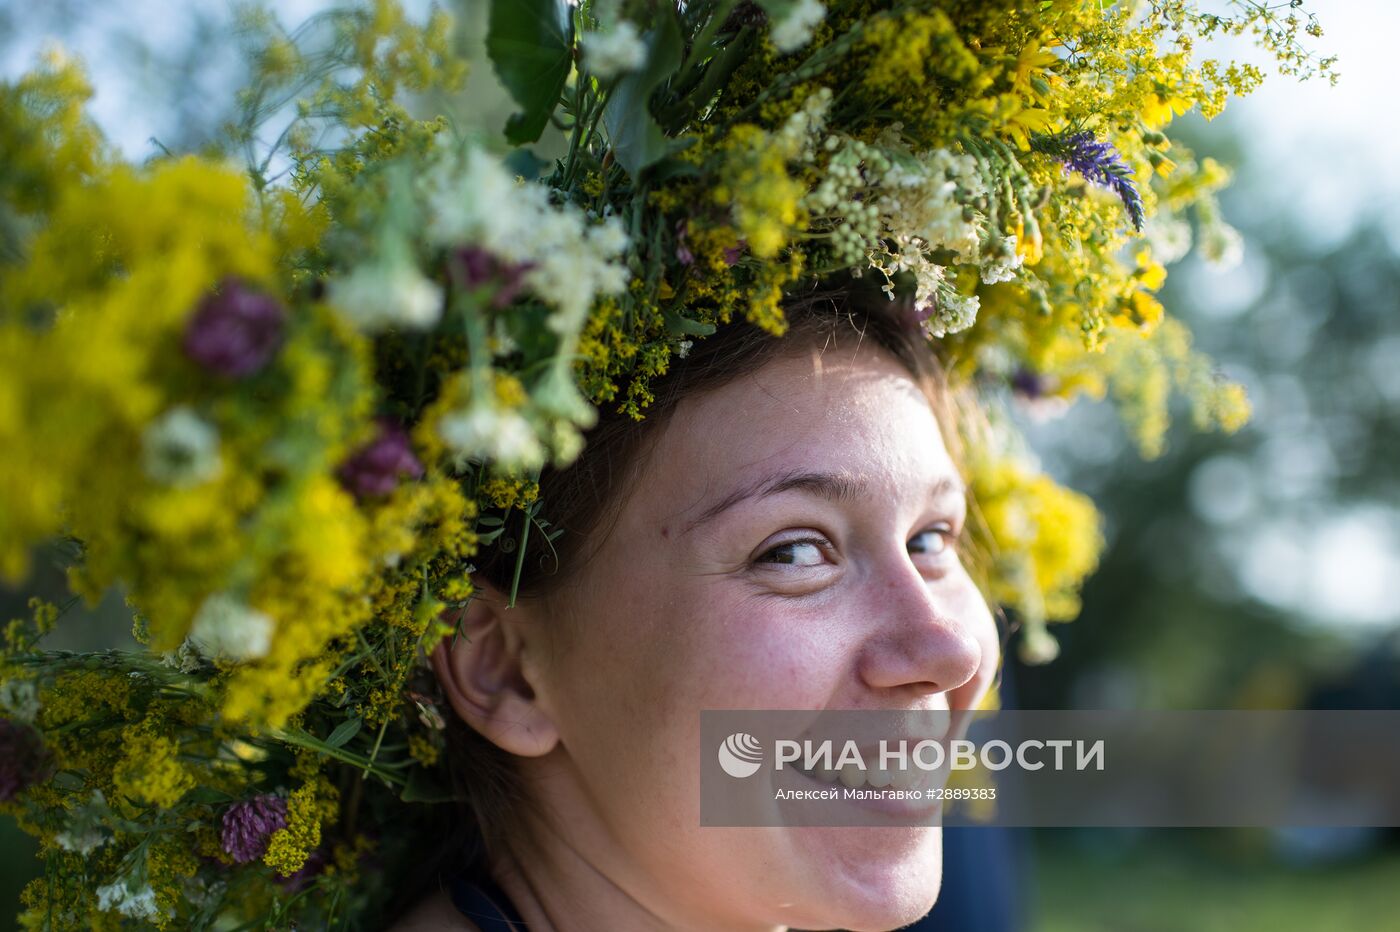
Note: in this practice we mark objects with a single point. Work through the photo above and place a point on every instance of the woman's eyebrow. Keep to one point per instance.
(835, 487)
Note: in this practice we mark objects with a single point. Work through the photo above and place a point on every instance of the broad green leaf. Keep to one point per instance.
(530, 43)
(637, 139)
(344, 732)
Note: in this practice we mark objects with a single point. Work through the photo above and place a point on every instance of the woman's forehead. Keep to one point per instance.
(858, 416)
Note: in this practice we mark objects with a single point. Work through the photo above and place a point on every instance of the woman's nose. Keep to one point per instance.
(922, 634)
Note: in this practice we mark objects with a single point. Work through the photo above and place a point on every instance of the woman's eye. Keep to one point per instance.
(936, 540)
(806, 552)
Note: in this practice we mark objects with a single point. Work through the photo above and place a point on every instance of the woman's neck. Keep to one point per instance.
(557, 889)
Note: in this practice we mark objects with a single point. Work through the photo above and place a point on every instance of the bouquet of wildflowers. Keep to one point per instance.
(284, 404)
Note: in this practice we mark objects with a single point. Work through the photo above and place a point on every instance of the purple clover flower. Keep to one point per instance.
(22, 759)
(376, 468)
(474, 267)
(1098, 162)
(249, 824)
(235, 331)
(1028, 383)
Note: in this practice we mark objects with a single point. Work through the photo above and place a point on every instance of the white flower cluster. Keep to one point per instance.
(799, 133)
(484, 432)
(611, 52)
(955, 312)
(181, 449)
(999, 264)
(475, 200)
(925, 203)
(1168, 235)
(388, 291)
(841, 196)
(226, 627)
(84, 832)
(913, 213)
(135, 902)
(19, 700)
(1221, 245)
(792, 27)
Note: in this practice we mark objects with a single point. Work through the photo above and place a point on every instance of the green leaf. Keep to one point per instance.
(637, 139)
(344, 732)
(530, 43)
(677, 324)
(526, 164)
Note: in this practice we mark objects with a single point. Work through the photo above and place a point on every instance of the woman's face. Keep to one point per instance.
(738, 578)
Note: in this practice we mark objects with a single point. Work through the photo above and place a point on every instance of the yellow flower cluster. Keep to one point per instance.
(754, 183)
(310, 806)
(1045, 539)
(150, 770)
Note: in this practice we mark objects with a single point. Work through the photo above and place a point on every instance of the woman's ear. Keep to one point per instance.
(481, 674)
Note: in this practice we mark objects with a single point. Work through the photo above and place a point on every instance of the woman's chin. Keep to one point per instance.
(870, 879)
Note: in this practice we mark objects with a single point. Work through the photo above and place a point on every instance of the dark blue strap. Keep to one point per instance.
(485, 904)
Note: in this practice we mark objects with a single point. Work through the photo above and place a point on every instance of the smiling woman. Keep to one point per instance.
(405, 444)
(794, 546)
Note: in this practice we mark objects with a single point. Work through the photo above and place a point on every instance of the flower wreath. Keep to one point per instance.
(284, 406)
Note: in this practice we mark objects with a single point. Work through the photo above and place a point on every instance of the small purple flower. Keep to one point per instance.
(235, 331)
(683, 253)
(22, 759)
(474, 267)
(376, 468)
(733, 253)
(1098, 162)
(249, 824)
(1029, 384)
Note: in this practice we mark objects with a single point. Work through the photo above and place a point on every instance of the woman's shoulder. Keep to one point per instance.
(435, 914)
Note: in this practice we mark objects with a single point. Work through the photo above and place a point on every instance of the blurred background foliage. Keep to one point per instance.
(1251, 571)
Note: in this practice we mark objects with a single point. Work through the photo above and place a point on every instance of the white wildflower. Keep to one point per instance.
(799, 133)
(1038, 645)
(1221, 245)
(925, 203)
(387, 292)
(20, 700)
(181, 449)
(683, 350)
(137, 903)
(184, 658)
(226, 627)
(1002, 264)
(792, 28)
(954, 312)
(483, 433)
(611, 52)
(80, 840)
(84, 832)
(474, 200)
(1169, 236)
(505, 344)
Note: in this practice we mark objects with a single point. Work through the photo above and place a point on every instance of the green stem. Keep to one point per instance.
(520, 555)
(303, 740)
